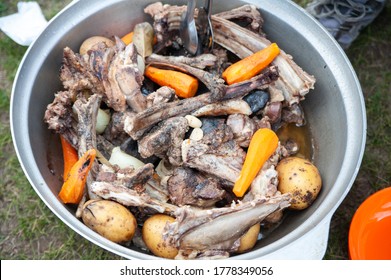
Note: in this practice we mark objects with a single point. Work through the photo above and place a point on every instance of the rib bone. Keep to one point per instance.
(136, 125)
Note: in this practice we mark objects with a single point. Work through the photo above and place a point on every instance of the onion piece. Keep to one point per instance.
(102, 120)
(124, 160)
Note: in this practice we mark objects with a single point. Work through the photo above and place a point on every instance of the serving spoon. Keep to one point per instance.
(188, 30)
(205, 27)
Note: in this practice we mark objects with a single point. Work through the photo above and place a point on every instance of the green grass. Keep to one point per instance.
(29, 230)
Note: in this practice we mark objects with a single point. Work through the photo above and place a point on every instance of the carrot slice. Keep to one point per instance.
(185, 86)
(128, 38)
(262, 146)
(69, 155)
(73, 188)
(250, 66)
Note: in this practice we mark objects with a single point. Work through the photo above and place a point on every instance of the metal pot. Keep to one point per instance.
(335, 113)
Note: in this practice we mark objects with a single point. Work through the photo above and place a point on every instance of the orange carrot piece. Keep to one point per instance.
(128, 38)
(250, 66)
(185, 86)
(69, 155)
(73, 188)
(262, 145)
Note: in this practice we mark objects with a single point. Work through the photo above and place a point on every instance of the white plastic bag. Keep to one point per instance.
(26, 25)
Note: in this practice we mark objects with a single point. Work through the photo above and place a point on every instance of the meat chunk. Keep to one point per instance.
(130, 197)
(127, 177)
(242, 127)
(223, 162)
(217, 153)
(161, 95)
(112, 73)
(189, 187)
(126, 79)
(220, 228)
(165, 140)
(215, 131)
(86, 111)
(114, 131)
(76, 75)
(59, 117)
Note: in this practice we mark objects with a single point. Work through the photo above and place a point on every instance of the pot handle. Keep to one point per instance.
(310, 246)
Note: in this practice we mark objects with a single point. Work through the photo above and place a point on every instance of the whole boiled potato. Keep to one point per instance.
(92, 42)
(248, 240)
(110, 219)
(300, 178)
(152, 233)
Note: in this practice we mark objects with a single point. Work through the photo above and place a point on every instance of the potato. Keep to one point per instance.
(91, 43)
(248, 240)
(152, 233)
(300, 178)
(110, 219)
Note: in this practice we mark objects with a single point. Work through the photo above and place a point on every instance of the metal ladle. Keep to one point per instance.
(188, 30)
(193, 41)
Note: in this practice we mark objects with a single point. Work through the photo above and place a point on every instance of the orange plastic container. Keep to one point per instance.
(370, 229)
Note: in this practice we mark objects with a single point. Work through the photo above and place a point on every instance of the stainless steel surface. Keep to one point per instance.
(205, 27)
(188, 28)
(335, 109)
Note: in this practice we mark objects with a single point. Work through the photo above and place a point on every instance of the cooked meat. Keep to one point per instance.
(273, 111)
(165, 140)
(161, 23)
(215, 131)
(264, 122)
(127, 177)
(189, 187)
(156, 190)
(201, 255)
(125, 79)
(242, 127)
(135, 126)
(111, 73)
(104, 146)
(86, 111)
(245, 13)
(223, 162)
(114, 131)
(201, 61)
(291, 146)
(76, 74)
(130, 197)
(227, 107)
(161, 95)
(59, 117)
(220, 228)
(293, 114)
